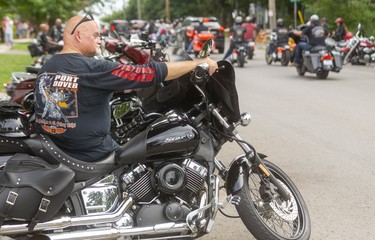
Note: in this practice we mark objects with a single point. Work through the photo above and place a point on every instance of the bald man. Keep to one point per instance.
(73, 90)
(45, 41)
(57, 31)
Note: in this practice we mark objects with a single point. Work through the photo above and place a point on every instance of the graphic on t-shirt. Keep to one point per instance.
(57, 98)
(132, 73)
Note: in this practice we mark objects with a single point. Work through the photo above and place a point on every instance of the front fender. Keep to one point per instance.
(235, 176)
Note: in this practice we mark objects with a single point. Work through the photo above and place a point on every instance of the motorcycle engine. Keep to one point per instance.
(165, 192)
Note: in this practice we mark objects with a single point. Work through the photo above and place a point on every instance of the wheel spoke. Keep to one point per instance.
(281, 226)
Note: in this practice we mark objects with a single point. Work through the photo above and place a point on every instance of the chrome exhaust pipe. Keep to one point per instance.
(115, 233)
(70, 221)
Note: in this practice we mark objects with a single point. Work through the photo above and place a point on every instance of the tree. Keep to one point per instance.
(361, 11)
(38, 11)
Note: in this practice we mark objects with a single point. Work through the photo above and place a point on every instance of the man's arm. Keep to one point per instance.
(177, 69)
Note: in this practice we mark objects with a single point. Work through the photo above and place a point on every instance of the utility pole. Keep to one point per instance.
(167, 11)
(139, 9)
(272, 13)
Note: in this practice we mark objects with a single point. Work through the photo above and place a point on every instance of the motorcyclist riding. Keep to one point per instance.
(250, 28)
(237, 35)
(282, 36)
(316, 35)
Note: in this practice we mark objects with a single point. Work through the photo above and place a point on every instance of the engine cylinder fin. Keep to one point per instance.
(143, 189)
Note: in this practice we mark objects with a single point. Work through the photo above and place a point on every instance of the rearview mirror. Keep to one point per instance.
(206, 49)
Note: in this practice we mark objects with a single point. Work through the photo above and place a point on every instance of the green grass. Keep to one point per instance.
(21, 46)
(12, 63)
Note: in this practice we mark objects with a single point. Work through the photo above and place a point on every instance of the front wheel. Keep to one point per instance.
(265, 214)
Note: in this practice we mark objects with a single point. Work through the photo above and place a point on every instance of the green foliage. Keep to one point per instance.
(38, 11)
(361, 11)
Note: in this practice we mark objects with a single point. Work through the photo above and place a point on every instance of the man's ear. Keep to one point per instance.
(78, 36)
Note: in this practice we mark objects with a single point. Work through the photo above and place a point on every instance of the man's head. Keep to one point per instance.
(238, 20)
(314, 19)
(43, 27)
(58, 22)
(82, 35)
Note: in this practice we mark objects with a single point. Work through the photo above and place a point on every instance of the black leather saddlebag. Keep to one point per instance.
(33, 190)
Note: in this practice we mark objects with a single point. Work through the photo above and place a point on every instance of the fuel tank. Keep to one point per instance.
(170, 136)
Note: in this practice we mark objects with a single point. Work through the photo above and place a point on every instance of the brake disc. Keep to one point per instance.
(287, 210)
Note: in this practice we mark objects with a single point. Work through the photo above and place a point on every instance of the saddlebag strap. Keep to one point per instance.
(44, 203)
(9, 203)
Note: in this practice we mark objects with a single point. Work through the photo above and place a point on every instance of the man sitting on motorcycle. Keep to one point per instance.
(282, 36)
(316, 35)
(250, 26)
(237, 33)
(73, 90)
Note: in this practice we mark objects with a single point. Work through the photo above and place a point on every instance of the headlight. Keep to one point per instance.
(245, 119)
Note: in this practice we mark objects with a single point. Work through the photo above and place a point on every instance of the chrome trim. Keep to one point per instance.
(69, 222)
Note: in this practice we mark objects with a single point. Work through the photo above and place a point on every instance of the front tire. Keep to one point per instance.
(271, 218)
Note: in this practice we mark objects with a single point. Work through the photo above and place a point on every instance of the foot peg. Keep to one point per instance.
(234, 199)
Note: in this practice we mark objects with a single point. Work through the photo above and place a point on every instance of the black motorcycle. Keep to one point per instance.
(281, 53)
(163, 182)
(239, 54)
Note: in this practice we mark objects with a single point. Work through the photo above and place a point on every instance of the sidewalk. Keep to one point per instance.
(6, 50)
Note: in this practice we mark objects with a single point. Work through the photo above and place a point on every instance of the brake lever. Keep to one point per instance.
(220, 68)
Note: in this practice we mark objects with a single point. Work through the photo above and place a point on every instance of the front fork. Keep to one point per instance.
(234, 176)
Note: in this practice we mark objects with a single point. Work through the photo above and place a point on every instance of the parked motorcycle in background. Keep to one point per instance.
(281, 54)
(361, 49)
(164, 181)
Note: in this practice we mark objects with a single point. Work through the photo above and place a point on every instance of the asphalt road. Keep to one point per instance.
(322, 134)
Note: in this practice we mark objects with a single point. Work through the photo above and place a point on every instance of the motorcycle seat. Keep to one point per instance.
(318, 48)
(42, 146)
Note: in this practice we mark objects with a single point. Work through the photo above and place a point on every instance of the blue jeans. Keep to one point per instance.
(300, 47)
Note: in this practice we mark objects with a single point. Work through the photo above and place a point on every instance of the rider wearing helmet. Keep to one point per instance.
(237, 32)
(316, 35)
(250, 28)
(282, 36)
(340, 31)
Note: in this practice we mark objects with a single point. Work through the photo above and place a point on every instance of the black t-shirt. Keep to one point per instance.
(316, 34)
(282, 35)
(42, 39)
(238, 33)
(72, 95)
